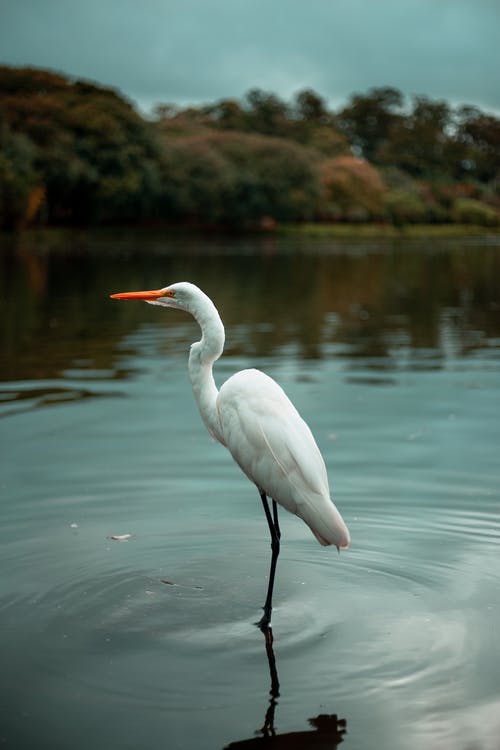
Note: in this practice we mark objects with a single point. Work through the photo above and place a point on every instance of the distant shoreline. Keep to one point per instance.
(307, 230)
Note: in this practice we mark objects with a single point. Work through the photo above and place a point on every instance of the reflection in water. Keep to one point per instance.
(328, 730)
(268, 728)
(26, 399)
(373, 301)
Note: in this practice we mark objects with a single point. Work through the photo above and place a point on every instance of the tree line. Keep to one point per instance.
(73, 152)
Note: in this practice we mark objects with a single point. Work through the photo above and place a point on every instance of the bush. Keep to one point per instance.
(405, 207)
(352, 190)
(470, 211)
(239, 179)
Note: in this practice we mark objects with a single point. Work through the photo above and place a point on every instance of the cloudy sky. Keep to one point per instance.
(195, 51)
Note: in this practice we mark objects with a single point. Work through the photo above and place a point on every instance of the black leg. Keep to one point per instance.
(275, 520)
(274, 529)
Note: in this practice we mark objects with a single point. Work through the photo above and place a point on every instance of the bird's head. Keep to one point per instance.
(182, 296)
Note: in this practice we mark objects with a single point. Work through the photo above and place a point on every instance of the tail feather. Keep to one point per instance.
(325, 522)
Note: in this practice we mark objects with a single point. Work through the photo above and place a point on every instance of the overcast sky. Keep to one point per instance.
(202, 50)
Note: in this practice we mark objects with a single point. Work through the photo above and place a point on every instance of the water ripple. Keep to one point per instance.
(22, 400)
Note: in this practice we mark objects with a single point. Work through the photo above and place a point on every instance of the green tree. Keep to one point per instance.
(310, 107)
(94, 155)
(368, 118)
(314, 125)
(479, 136)
(18, 176)
(267, 113)
(420, 142)
(227, 114)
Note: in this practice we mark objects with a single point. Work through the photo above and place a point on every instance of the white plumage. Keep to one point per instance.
(275, 448)
(253, 417)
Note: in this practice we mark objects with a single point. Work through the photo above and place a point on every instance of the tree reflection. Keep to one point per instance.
(327, 733)
(385, 304)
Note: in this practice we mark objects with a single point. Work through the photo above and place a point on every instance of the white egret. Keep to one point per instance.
(254, 419)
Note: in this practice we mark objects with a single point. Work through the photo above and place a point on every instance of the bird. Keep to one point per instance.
(255, 420)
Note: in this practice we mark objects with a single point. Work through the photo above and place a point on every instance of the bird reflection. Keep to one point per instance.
(327, 733)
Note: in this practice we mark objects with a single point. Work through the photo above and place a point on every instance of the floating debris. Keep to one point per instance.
(119, 537)
(180, 585)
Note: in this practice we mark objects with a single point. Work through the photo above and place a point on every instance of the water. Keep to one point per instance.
(391, 352)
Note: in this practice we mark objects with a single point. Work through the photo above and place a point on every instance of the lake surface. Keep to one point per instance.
(391, 352)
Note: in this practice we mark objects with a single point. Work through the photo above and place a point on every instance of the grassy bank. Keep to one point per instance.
(387, 230)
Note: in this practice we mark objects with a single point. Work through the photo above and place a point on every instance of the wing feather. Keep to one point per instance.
(276, 450)
(268, 438)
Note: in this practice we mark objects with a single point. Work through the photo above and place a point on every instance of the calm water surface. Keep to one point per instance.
(391, 351)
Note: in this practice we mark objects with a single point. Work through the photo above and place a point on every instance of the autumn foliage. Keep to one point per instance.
(73, 152)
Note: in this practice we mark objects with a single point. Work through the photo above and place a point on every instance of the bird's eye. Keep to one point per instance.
(169, 292)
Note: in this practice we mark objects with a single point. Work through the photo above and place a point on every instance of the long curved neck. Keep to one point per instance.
(201, 358)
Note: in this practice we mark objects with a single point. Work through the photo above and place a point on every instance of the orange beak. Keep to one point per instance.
(153, 294)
